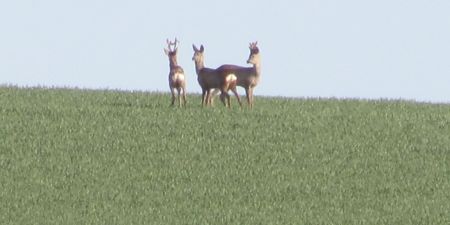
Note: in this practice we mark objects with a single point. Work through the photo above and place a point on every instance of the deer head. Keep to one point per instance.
(198, 53)
(169, 49)
(254, 54)
(172, 52)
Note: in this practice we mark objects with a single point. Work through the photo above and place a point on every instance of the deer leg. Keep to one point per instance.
(179, 96)
(208, 97)
(251, 97)
(222, 98)
(208, 102)
(184, 96)
(203, 96)
(232, 87)
(226, 97)
(214, 93)
(237, 96)
(172, 90)
(247, 93)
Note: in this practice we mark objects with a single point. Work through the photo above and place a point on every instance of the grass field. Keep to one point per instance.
(109, 157)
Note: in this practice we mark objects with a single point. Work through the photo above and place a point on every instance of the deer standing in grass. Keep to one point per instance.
(177, 79)
(209, 79)
(247, 77)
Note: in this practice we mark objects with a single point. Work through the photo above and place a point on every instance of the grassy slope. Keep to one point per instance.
(105, 157)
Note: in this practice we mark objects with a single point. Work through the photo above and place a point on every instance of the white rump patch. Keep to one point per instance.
(179, 76)
(231, 77)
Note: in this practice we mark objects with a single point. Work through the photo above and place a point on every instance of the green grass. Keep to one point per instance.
(109, 157)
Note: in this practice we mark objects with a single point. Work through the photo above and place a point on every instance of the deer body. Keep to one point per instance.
(209, 79)
(177, 81)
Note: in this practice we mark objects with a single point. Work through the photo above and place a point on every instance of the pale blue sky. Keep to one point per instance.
(316, 48)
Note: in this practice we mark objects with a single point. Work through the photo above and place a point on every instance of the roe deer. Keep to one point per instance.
(210, 79)
(176, 75)
(247, 77)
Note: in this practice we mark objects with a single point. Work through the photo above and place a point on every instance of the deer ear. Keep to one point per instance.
(202, 48)
(195, 48)
(166, 51)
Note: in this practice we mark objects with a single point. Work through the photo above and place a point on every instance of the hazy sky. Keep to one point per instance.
(316, 48)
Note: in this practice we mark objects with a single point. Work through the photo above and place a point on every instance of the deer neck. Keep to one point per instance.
(257, 68)
(173, 63)
(199, 65)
